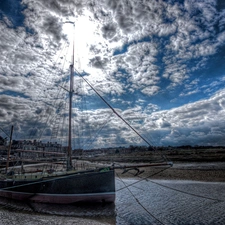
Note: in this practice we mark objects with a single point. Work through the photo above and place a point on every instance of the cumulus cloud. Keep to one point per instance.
(192, 123)
(141, 56)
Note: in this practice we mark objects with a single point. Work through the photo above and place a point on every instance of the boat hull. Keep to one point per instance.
(84, 187)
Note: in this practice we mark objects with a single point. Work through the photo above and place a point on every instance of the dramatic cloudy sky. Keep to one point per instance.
(159, 63)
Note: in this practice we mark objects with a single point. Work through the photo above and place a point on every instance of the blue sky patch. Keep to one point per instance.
(13, 10)
(14, 94)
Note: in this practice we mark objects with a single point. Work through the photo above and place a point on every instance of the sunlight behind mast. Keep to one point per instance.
(85, 36)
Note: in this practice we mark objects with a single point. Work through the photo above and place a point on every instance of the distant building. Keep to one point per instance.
(34, 149)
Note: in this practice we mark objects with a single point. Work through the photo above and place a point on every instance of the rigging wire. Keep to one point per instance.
(174, 189)
(142, 136)
(66, 49)
(82, 124)
(56, 122)
(139, 203)
(89, 130)
(63, 135)
(114, 111)
(73, 122)
(187, 193)
(38, 96)
(144, 178)
(49, 116)
(4, 132)
(99, 130)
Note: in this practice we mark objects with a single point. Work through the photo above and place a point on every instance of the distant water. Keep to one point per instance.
(137, 202)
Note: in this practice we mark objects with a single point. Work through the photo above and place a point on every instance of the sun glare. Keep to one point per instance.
(84, 36)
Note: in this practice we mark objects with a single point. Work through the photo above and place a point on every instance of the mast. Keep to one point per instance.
(69, 152)
(9, 149)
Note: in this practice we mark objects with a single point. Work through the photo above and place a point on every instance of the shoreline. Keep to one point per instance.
(210, 172)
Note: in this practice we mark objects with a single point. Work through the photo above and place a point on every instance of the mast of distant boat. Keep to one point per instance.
(9, 149)
(69, 152)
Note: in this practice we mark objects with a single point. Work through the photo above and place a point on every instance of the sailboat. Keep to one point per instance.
(67, 187)
(70, 186)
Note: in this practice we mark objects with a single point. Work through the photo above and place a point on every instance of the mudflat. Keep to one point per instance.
(212, 172)
(200, 164)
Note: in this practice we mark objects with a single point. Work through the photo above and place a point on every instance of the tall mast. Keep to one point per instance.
(69, 152)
